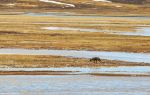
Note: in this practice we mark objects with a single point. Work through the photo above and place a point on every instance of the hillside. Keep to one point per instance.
(107, 7)
(117, 1)
(132, 1)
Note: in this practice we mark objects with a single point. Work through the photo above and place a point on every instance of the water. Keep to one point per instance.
(73, 85)
(51, 14)
(76, 15)
(72, 29)
(122, 56)
(78, 70)
(144, 31)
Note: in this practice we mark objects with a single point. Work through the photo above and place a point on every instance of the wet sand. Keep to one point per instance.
(73, 85)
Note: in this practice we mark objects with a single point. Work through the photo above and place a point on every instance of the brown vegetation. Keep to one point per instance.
(30, 61)
(19, 31)
(117, 7)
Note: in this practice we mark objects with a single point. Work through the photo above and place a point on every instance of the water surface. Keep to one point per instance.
(76, 15)
(73, 29)
(74, 85)
(141, 31)
(144, 31)
(122, 56)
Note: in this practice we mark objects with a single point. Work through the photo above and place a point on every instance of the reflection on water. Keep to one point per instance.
(74, 85)
(122, 56)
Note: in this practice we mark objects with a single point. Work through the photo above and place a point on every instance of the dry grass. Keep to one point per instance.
(20, 32)
(28, 61)
(82, 6)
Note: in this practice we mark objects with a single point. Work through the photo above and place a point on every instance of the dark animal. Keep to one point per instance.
(95, 59)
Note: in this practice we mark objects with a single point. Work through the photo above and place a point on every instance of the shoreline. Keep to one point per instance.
(40, 61)
(68, 73)
(82, 54)
(97, 71)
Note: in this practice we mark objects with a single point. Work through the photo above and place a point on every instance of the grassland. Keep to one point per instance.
(20, 31)
(24, 31)
(30, 61)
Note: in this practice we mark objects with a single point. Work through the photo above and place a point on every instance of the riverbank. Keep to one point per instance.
(97, 71)
(39, 61)
(63, 73)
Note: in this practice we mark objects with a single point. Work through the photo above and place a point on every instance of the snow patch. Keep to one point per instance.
(56, 2)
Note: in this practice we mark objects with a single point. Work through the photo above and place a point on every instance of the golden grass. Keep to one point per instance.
(30, 61)
(21, 32)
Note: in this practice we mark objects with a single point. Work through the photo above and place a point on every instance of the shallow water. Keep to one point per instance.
(144, 31)
(74, 85)
(76, 15)
(122, 56)
(72, 29)
(78, 70)
(51, 14)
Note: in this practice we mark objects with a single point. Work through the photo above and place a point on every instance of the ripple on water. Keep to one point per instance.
(74, 85)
